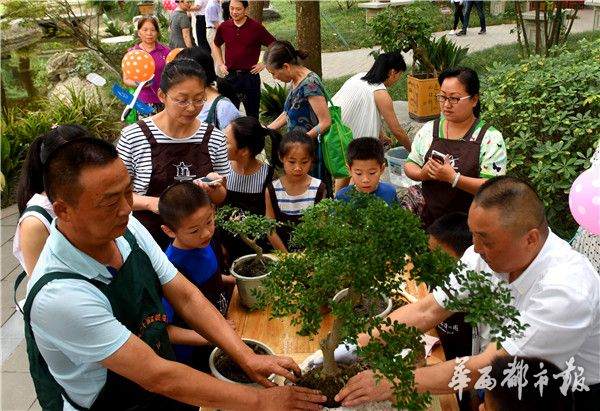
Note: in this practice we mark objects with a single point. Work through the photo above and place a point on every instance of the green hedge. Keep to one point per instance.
(548, 109)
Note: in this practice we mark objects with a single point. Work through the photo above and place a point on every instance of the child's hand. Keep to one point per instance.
(228, 279)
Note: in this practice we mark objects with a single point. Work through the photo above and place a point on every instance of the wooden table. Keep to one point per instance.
(281, 336)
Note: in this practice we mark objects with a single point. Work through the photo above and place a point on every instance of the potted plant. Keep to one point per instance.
(224, 368)
(366, 246)
(146, 7)
(249, 270)
(409, 28)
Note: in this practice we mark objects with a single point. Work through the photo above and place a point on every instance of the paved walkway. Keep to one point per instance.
(17, 391)
(344, 63)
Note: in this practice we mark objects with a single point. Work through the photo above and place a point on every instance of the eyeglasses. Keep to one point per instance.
(186, 103)
(452, 100)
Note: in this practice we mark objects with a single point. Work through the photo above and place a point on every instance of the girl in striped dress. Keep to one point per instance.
(248, 176)
(287, 197)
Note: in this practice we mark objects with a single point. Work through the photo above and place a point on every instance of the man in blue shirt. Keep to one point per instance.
(366, 164)
(94, 322)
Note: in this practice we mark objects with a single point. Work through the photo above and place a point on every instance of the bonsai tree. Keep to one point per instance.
(366, 246)
(248, 227)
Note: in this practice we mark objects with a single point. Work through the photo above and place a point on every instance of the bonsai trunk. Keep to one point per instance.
(333, 339)
(328, 346)
(252, 244)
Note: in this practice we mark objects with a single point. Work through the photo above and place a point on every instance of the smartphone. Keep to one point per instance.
(439, 157)
(209, 181)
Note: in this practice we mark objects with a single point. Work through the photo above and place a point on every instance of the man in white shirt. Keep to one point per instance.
(555, 289)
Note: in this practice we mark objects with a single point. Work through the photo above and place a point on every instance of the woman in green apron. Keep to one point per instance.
(456, 153)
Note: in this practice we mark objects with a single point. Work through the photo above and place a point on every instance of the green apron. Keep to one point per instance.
(135, 296)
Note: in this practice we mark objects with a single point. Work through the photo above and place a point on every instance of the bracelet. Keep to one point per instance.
(455, 181)
(318, 128)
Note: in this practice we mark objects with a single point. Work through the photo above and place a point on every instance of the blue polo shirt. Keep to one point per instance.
(73, 322)
(385, 191)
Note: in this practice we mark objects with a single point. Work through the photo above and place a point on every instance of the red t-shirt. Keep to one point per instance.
(242, 44)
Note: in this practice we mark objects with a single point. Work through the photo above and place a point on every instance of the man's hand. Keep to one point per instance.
(364, 388)
(290, 398)
(257, 68)
(259, 367)
(223, 69)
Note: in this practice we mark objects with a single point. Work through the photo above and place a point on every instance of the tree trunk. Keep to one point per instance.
(308, 27)
(328, 346)
(255, 9)
(25, 75)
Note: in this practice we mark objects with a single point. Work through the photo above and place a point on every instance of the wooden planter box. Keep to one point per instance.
(422, 104)
(146, 9)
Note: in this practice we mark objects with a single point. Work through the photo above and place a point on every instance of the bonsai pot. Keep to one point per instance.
(245, 281)
(422, 103)
(223, 368)
(386, 299)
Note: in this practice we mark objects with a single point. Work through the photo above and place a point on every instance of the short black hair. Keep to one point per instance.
(179, 201)
(178, 71)
(518, 202)
(64, 167)
(505, 398)
(452, 229)
(244, 3)
(365, 148)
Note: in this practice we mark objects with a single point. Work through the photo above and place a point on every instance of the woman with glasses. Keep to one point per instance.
(173, 145)
(148, 31)
(454, 154)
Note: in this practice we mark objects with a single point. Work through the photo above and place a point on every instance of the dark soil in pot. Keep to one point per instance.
(252, 267)
(371, 307)
(330, 385)
(230, 369)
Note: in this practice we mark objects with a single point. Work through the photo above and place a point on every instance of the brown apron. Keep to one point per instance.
(440, 198)
(172, 163)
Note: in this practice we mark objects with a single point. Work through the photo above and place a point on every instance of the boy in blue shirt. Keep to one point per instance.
(366, 164)
(188, 217)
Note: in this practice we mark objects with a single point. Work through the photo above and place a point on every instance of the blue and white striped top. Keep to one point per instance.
(295, 205)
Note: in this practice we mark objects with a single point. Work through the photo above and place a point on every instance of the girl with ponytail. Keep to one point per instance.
(35, 208)
(249, 177)
(305, 108)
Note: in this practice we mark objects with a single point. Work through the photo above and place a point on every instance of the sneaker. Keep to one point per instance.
(481, 32)
(461, 33)
(452, 32)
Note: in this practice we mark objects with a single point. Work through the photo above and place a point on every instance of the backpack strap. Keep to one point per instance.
(51, 390)
(212, 118)
(39, 210)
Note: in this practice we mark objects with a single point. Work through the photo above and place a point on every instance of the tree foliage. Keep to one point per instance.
(365, 246)
(249, 227)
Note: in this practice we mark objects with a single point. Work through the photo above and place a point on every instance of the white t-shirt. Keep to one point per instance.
(558, 295)
(37, 200)
(356, 98)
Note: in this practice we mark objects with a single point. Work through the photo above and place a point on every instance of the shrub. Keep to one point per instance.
(21, 127)
(272, 100)
(548, 109)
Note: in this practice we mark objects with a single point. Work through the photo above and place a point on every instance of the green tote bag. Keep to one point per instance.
(334, 143)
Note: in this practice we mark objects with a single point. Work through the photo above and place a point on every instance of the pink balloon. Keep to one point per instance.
(169, 5)
(584, 200)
